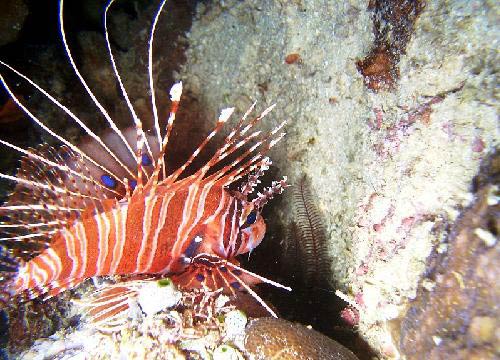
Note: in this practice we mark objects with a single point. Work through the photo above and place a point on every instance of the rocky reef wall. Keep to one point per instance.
(391, 163)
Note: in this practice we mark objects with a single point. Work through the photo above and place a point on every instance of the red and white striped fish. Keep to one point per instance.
(107, 207)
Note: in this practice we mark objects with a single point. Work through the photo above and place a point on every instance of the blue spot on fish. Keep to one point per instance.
(193, 247)
(200, 277)
(235, 285)
(108, 181)
(132, 184)
(146, 160)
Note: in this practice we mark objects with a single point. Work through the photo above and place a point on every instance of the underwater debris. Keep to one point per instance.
(455, 312)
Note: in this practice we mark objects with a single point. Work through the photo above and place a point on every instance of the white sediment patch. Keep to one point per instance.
(154, 297)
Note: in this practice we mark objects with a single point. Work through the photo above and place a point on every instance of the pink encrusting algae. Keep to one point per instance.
(108, 206)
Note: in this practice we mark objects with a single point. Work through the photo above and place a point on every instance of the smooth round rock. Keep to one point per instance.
(270, 338)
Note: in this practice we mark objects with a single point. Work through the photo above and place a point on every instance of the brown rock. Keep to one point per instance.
(459, 315)
(270, 338)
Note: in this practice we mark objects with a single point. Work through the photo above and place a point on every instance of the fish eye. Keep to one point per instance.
(252, 217)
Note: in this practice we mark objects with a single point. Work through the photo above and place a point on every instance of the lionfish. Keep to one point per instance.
(108, 206)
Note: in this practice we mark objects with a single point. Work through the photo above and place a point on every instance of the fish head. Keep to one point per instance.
(252, 227)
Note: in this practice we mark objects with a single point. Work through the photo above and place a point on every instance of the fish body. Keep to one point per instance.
(108, 207)
(152, 234)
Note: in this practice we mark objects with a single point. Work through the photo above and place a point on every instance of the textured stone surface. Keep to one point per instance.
(455, 313)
